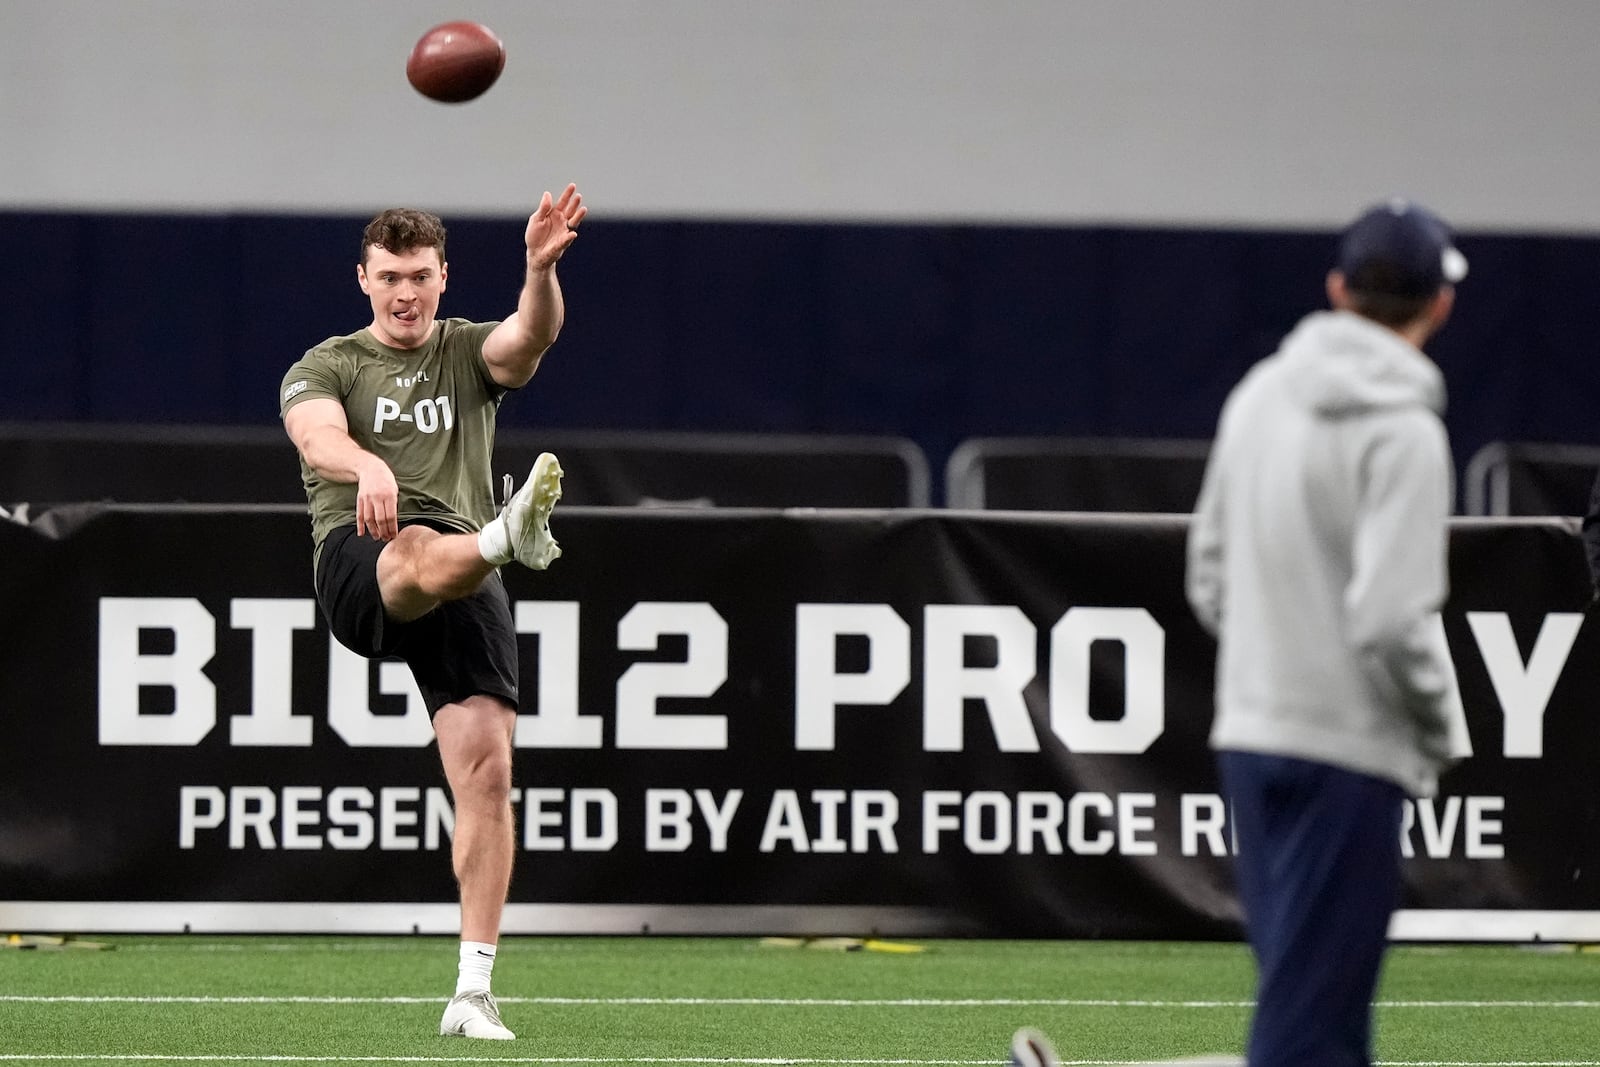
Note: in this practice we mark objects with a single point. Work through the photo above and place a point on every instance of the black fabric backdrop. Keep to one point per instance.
(81, 820)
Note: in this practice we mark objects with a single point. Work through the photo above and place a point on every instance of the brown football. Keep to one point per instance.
(455, 62)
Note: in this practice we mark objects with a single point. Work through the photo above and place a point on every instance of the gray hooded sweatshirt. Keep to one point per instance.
(1317, 555)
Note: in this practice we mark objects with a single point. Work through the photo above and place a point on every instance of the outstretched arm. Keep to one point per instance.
(515, 347)
(320, 431)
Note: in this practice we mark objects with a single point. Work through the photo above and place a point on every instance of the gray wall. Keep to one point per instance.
(1214, 112)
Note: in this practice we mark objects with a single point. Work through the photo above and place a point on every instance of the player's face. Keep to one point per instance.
(404, 289)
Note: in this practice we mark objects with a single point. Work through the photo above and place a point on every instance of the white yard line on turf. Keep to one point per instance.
(797, 1002)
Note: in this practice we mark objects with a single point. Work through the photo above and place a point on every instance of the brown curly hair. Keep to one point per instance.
(401, 230)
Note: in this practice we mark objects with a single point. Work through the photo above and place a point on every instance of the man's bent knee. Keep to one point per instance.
(475, 745)
(414, 579)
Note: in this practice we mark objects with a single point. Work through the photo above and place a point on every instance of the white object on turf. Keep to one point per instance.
(1030, 1048)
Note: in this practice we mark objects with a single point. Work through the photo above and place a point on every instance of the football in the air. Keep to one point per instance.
(455, 62)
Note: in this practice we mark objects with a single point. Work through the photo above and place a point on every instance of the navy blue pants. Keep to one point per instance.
(1318, 869)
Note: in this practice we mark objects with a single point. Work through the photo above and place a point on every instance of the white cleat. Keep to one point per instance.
(521, 531)
(474, 1015)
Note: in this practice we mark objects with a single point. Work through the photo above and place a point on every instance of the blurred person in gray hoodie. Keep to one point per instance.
(1317, 557)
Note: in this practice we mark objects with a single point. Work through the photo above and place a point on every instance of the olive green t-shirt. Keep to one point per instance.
(427, 412)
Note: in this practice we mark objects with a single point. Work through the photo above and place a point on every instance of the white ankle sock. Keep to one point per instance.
(494, 542)
(477, 963)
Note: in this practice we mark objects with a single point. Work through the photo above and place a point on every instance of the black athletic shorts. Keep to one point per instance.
(459, 649)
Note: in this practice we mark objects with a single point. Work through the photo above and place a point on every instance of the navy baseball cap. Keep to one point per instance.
(1400, 248)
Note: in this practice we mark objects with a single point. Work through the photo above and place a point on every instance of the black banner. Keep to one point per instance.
(735, 720)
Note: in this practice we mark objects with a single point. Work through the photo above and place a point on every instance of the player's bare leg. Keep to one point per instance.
(475, 748)
(422, 567)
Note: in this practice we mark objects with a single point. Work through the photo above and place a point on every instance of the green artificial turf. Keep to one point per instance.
(602, 1000)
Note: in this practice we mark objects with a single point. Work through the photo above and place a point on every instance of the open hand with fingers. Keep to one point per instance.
(553, 227)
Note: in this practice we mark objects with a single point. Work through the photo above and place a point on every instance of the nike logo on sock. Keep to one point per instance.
(485, 955)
